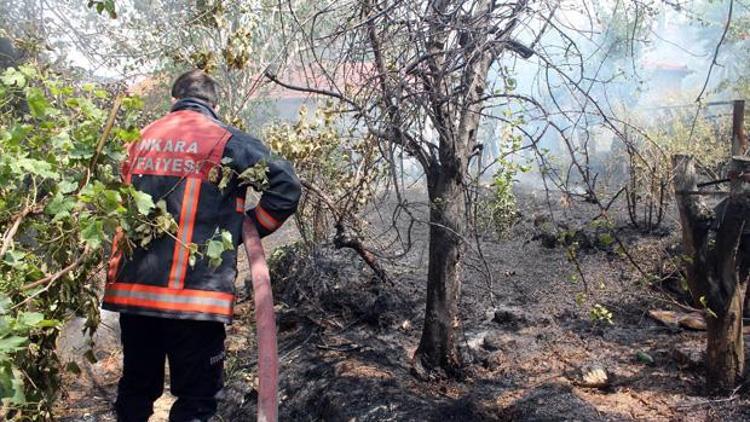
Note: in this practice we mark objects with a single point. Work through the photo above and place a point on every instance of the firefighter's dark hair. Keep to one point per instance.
(196, 84)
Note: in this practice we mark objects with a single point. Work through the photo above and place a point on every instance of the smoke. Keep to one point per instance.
(610, 70)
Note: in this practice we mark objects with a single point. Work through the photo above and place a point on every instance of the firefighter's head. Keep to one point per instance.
(196, 84)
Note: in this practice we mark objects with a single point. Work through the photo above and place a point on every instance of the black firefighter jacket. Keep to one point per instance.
(173, 161)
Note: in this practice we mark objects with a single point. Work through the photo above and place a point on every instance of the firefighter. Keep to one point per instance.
(173, 303)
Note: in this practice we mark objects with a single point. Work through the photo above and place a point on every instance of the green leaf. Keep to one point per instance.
(92, 232)
(704, 302)
(132, 103)
(11, 384)
(12, 343)
(67, 186)
(38, 104)
(33, 166)
(162, 205)
(128, 135)
(111, 201)
(143, 202)
(5, 304)
(226, 177)
(17, 396)
(90, 356)
(62, 141)
(146, 240)
(48, 323)
(214, 250)
(256, 176)
(193, 249)
(645, 358)
(72, 102)
(60, 206)
(18, 133)
(30, 319)
(28, 71)
(165, 223)
(12, 77)
(606, 239)
(226, 239)
(14, 258)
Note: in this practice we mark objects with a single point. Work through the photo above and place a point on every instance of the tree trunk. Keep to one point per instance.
(725, 357)
(717, 268)
(725, 344)
(438, 347)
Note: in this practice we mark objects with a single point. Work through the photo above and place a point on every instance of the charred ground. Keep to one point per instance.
(346, 340)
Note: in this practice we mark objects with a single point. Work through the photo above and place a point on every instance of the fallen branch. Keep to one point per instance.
(11, 232)
(51, 278)
(344, 238)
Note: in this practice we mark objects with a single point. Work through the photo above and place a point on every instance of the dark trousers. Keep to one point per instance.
(195, 351)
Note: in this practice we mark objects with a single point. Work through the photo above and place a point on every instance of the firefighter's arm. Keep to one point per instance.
(280, 197)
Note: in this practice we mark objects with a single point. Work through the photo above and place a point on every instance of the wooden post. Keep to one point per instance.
(739, 141)
(712, 268)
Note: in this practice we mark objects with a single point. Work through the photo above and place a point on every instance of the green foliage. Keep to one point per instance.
(648, 156)
(15, 333)
(104, 6)
(343, 165)
(58, 214)
(255, 176)
(502, 208)
(216, 246)
(682, 132)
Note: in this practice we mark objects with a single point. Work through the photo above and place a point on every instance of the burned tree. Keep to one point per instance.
(717, 265)
(417, 78)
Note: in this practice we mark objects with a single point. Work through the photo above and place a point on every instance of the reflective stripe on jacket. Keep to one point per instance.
(178, 159)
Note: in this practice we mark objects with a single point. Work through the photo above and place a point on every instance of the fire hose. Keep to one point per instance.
(265, 325)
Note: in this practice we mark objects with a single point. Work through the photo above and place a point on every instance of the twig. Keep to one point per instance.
(11, 232)
(716, 51)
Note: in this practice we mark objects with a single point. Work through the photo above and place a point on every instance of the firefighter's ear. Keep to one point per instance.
(217, 108)
(172, 100)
